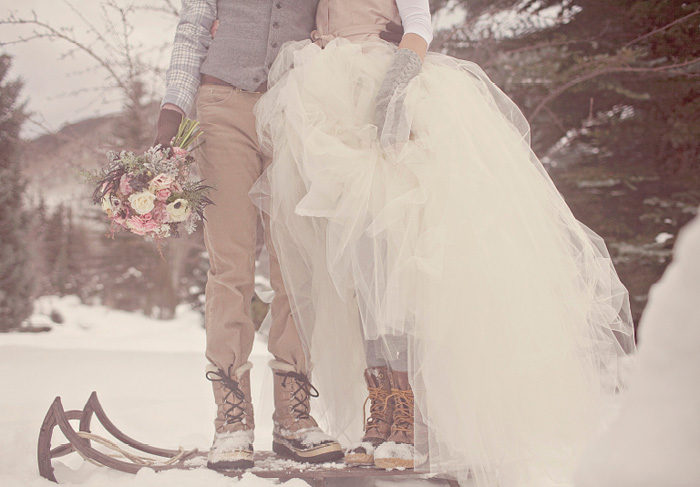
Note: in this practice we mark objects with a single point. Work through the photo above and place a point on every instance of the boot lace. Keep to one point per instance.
(403, 410)
(379, 402)
(234, 400)
(302, 392)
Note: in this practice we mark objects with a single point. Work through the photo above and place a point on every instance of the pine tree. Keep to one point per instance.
(612, 91)
(57, 251)
(15, 280)
(623, 75)
(37, 245)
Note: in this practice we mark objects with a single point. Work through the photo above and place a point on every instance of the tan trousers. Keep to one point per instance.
(230, 160)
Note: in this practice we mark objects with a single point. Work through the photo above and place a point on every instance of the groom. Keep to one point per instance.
(224, 77)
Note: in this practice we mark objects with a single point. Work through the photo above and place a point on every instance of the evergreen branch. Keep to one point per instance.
(604, 71)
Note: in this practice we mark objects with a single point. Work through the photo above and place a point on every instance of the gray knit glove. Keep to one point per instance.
(392, 126)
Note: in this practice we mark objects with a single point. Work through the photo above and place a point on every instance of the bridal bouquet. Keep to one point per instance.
(151, 194)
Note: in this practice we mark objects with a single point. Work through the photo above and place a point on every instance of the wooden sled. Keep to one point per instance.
(267, 464)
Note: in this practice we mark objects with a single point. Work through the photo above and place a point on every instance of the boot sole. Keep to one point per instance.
(322, 453)
(392, 463)
(359, 459)
(241, 464)
(240, 460)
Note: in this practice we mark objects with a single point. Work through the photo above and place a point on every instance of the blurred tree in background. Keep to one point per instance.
(72, 251)
(624, 76)
(612, 91)
(15, 279)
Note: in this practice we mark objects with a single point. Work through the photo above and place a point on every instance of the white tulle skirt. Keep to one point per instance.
(456, 240)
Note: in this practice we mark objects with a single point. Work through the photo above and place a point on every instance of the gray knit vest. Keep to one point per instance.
(250, 35)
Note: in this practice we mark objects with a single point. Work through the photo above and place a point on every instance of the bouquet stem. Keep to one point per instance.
(187, 133)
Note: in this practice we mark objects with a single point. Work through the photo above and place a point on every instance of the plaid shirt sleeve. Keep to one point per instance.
(192, 39)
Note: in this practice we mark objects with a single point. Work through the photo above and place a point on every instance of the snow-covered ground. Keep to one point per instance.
(149, 376)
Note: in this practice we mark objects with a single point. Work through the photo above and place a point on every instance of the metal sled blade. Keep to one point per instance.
(57, 416)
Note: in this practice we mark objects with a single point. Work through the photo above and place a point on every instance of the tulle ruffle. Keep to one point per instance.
(457, 240)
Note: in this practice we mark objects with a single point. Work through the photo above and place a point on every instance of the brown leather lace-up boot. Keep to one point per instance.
(233, 440)
(398, 451)
(296, 434)
(378, 425)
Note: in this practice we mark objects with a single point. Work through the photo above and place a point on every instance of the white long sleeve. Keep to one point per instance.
(415, 17)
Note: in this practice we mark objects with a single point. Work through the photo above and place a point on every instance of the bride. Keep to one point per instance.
(426, 250)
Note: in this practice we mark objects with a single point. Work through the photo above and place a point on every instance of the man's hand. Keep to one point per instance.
(214, 28)
(169, 121)
(393, 33)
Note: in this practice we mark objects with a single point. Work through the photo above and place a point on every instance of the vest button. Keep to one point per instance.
(278, 5)
(275, 24)
(274, 44)
(256, 80)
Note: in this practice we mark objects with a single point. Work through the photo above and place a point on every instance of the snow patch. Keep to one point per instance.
(94, 327)
(655, 439)
(663, 237)
(308, 436)
(605, 183)
(227, 446)
(365, 446)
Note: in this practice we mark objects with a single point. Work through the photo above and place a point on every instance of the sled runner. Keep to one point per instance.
(82, 440)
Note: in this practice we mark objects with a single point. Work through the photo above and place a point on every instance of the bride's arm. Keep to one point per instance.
(406, 64)
(417, 25)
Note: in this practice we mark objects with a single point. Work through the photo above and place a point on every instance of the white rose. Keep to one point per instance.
(178, 210)
(142, 202)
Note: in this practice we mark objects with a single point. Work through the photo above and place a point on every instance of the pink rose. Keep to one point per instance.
(160, 213)
(124, 185)
(140, 225)
(161, 181)
(163, 194)
(179, 152)
(121, 216)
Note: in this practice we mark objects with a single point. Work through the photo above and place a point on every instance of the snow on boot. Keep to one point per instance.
(378, 425)
(296, 434)
(399, 450)
(233, 440)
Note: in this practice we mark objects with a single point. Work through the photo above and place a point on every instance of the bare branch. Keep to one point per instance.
(662, 28)
(85, 21)
(557, 120)
(603, 71)
(168, 8)
(65, 35)
(544, 45)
